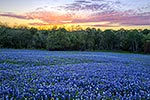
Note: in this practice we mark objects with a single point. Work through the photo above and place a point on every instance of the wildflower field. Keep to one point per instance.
(73, 75)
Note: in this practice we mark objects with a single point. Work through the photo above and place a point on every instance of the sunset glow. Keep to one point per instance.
(103, 14)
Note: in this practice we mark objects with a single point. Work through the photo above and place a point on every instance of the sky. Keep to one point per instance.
(103, 14)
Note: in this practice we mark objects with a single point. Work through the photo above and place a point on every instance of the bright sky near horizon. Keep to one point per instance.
(104, 14)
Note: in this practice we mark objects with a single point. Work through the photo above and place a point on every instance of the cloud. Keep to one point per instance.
(125, 18)
(45, 16)
(51, 17)
(129, 18)
(15, 16)
(135, 20)
(82, 1)
(38, 24)
(39, 8)
(93, 5)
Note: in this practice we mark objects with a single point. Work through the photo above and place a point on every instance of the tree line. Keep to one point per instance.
(89, 39)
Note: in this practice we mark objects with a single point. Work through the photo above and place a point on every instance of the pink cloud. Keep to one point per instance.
(45, 16)
(50, 17)
(129, 18)
(15, 16)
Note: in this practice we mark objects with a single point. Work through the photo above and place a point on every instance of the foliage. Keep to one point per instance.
(61, 39)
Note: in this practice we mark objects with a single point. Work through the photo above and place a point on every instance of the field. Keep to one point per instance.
(68, 75)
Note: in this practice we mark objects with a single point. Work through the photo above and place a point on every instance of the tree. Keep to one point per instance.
(147, 43)
(109, 39)
(90, 38)
(121, 43)
(77, 39)
(33, 31)
(39, 39)
(134, 39)
(58, 40)
(146, 31)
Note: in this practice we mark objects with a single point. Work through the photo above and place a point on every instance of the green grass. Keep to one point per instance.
(117, 51)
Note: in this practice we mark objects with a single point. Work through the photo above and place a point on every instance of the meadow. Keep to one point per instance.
(73, 75)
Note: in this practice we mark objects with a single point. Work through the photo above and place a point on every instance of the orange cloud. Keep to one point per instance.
(47, 17)
(51, 17)
(114, 18)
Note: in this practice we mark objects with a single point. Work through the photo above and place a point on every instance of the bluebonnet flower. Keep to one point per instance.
(34, 74)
